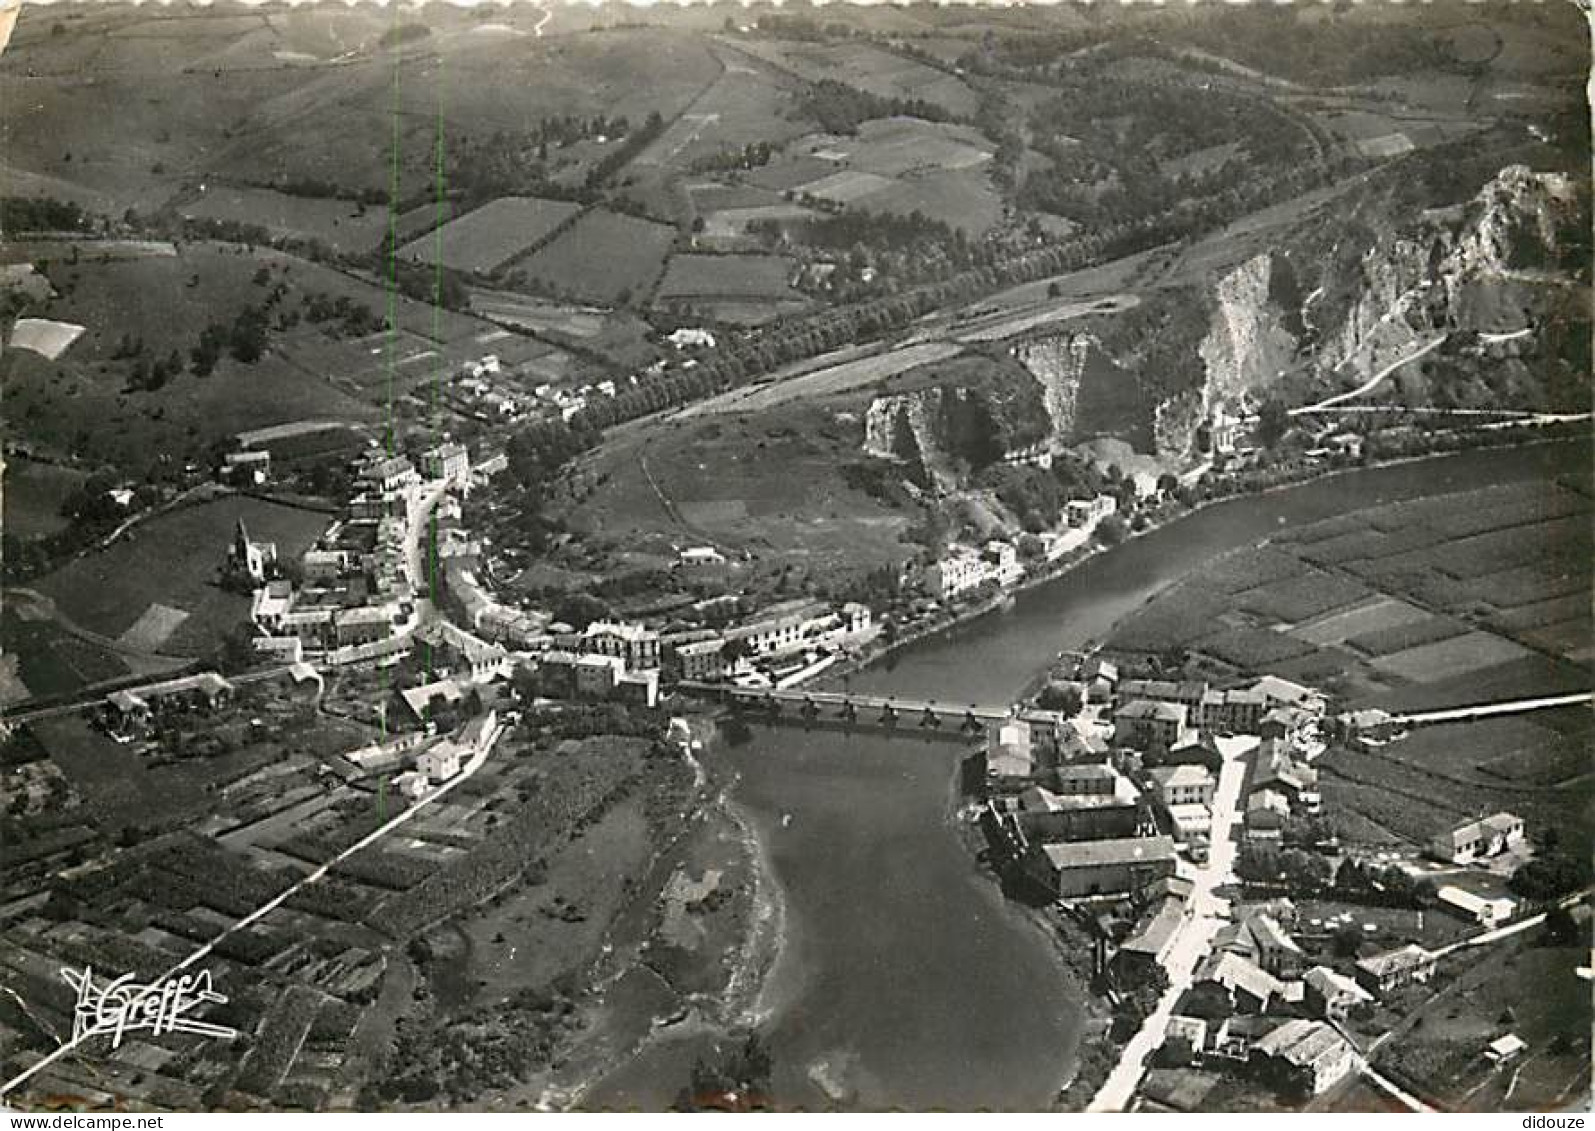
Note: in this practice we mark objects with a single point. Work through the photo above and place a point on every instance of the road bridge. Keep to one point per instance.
(856, 709)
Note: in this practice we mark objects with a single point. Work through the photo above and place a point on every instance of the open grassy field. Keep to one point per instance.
(727, 276)
(489, 237)
(32, 493)
(770, 484)
(867, 68)
(339, 224)
(51, 662)
(172, 562)
(1373, 615)
(1444, 659)
(603, 257)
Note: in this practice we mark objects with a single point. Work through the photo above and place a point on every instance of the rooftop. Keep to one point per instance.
(1121, 850)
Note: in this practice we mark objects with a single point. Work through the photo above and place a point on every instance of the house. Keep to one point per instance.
(1146, 723)
(256, 560)
(1182, 785)
(478, 659)
(413, 785)
(1277, 952)
(421, 699)
(1477, 840)
(247, 468)
(700, 557)
(1385, 973)
(1002, 562)
(1484, 911)
(137, 705)
(1096, 867)
(784, 628)
(1267, 812)
(1290, 725)
(1190, 1030)
(1506, 1048)
(702, 660)
(960, 571)
(637, 647)
(1276, 770)
(1331, 995)
(1086, 513)
(1278, 692)
(1088, 779)
(364, 624)
(1189, 693)
(1305, 1058)
(449, 461)
(1230, 983)
(394, 473)
(1236, 712)
(440, 761)
(1150, 942)
(1368, 729)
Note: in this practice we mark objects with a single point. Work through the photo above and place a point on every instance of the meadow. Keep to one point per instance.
(32, 493)
(603, 257)
(174, 561)
(485, 239)
(341, 225)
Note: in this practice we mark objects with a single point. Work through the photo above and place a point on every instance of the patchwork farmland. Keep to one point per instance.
(603, 257)
(484, 240)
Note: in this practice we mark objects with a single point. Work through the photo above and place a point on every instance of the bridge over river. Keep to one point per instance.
(857, 710)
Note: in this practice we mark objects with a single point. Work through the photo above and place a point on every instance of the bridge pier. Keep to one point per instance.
(848, 711)
(930, 718)
(889, 715)
(809, 710)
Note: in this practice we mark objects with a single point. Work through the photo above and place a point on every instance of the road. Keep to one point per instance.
(1506, 707)
(1208, 913)
(243, 923)
(1373, 382)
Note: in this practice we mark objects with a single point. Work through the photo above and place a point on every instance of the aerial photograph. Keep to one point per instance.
(754, 557)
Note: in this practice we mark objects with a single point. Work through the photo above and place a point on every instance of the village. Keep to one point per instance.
(1175, 831)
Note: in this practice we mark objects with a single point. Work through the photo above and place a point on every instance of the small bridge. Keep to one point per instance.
(856, 710)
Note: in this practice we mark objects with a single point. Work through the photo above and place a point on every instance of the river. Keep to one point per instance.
(903, 981)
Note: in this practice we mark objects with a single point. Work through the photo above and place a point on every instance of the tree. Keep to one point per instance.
(1061, 697)
(1273, 421)
(1111, 530)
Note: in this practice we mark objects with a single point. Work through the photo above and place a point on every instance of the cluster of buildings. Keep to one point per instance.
(350, 596)
(1259, 1005)
(963, 569)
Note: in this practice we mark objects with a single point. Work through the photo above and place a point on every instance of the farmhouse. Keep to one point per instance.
(135, 706)
(1304, 1057)
(1385, 973)
(1331, 995)
(1476, 840)
(1095, 867)
(1228, 983)
(440, 761)
(1151, 942)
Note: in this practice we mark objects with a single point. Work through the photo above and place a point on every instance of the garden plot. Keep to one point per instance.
(1372, 615)
(1445, 659)
(484, 240)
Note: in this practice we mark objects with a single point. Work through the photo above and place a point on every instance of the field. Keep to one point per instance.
(32, 494)
(896, 165)
(868, 68)
(1411, 605)
(772, 484)
(172, 562)
(1531, 990)
(341, 225)
(486, 239)
(727, 276)
(603, 257)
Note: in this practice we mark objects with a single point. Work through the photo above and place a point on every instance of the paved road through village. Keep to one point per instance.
(1208, 913)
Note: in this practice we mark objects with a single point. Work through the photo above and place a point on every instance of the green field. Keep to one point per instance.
(174, 561)
(485, 239)
(340, 224)
(603, 257)
(727, 276)
(32, 494)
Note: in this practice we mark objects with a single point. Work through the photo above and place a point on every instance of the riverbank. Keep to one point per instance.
(880, 650)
